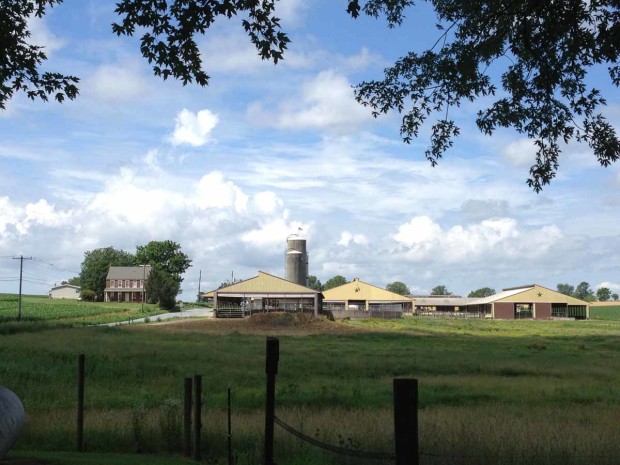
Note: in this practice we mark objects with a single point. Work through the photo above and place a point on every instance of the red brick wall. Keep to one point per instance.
(504, 311)
(542, 311)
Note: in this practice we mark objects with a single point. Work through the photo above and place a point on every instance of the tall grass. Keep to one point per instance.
(490, 392)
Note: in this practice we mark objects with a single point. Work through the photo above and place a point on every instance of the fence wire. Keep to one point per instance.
(330, 447)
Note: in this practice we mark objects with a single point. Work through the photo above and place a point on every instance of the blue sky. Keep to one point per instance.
(230, 170)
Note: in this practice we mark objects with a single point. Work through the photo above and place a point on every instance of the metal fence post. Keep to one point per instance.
(197, 414)
(187, 417)
(406, 421)
(271, 369)
(80, 406)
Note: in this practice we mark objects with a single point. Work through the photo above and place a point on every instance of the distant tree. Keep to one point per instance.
(75, 281)
(162, 288)
(482, 292)
(614, 296)
(314, 283)
(95, 267)
(440, 290)
(566, 289)
(87, 295)
(166, 255)
(603, 294)
(398, 288)
(583, 291)
(336, 281)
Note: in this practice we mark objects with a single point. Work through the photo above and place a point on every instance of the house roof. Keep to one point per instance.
(128, 272)
(66, 285)
(265, 283)
(530, 293)
(359, 290)
(443, 301)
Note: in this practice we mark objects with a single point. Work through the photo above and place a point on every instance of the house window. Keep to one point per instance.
(127, 283)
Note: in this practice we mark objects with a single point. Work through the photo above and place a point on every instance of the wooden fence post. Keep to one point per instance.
(80, 406)
(197, 414)
(187, 417)
(271, 369)
(230, 456)
(406, 421)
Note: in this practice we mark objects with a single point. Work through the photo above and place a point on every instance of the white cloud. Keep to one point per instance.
(267, 202)
(520, 153)
(326, 102)
(40, 35)
(213, 191)
(291, 11)
(272, 233)
(193, 128)
(117, 82)
(614, 287)
(422, 239)
(347, 238)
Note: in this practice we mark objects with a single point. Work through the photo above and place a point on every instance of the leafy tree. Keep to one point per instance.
(566, 289)
(336, 281)
(87, 295)
(440, 290)
(482, 292)
(95, 267)
(398, 288)
(166, 255)
(75, 281)
(583, 291)
(162, 288)
(314, 283)
(614, 296)
(603, 294)
(541, 50)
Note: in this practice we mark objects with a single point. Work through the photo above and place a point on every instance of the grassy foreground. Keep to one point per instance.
(491, 392)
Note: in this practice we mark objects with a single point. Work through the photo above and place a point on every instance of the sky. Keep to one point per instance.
(229, 171)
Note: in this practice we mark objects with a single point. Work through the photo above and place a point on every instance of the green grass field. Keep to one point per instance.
(40, 311)
(491, 392)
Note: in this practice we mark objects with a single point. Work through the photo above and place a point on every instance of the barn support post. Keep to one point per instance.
(197, 414)
(80, 405)
(406, 421)
(187, 417)
(271, 369)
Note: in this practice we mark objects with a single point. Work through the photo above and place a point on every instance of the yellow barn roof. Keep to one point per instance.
(359, 290)
(530, 293)
(265, 283)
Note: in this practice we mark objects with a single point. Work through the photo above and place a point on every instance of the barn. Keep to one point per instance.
(358, 299)
(264, 293)
(530, 302)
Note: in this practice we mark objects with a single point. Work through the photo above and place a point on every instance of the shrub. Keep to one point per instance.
(87, 295)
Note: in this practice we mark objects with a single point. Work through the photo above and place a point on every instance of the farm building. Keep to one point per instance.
(531, 301)
(441, 303)
(126, 283)
(65, 291)
(264, 293)
(360, 299)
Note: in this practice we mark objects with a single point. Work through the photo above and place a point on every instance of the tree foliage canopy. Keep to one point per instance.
(583, 291)
(314, 283)
(336, 281)
(162, 288)
(603, 294)
(166, 255)
(440, 290)
(398, 287)
(529, 59)
(566, 289)
(482, 292)
(95, 267)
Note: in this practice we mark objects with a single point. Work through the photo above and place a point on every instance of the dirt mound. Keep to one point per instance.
(259, 324)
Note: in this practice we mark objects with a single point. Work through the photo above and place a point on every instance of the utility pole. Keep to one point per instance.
(199, 279)
(21, 270)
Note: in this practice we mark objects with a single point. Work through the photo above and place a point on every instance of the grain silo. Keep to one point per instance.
(296, 260)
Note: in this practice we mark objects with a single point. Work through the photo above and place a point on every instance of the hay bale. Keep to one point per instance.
(11, 419)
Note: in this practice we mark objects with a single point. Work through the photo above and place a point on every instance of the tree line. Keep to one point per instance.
(583, 291)
(166, 259)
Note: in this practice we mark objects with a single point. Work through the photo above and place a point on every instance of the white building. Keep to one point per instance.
(65, 291)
